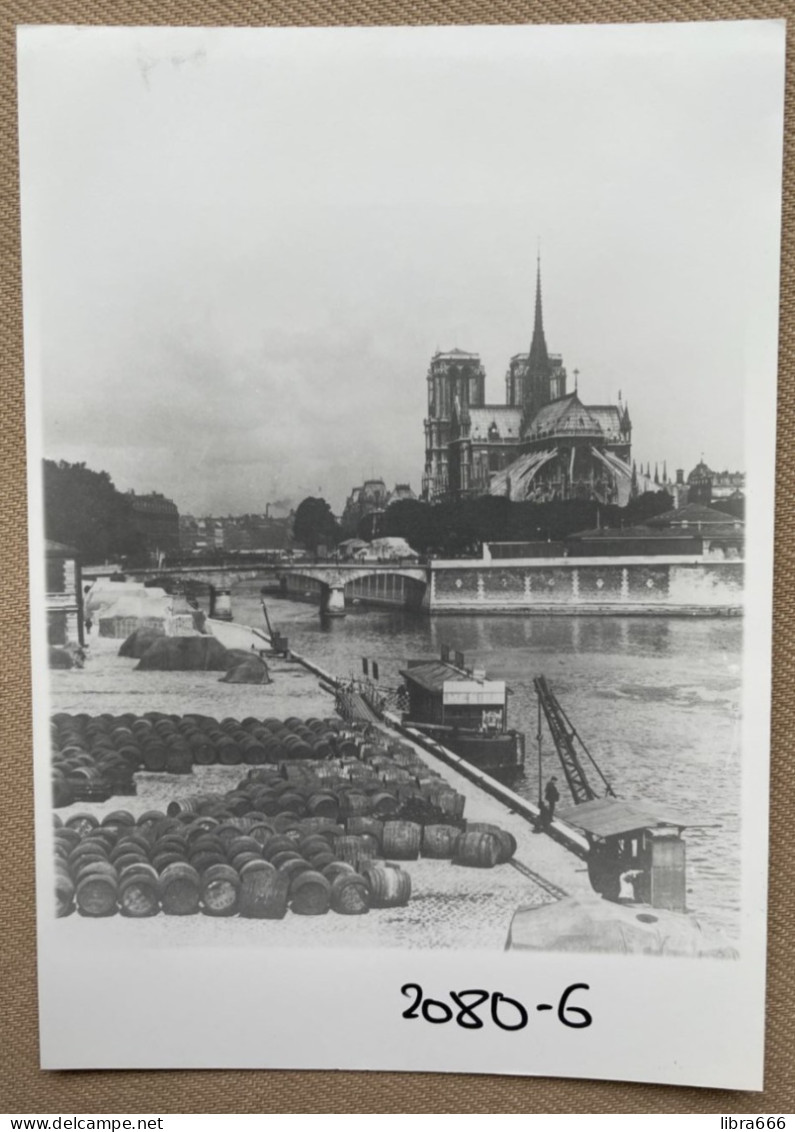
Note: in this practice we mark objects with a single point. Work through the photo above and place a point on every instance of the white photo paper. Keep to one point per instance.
(401, 432)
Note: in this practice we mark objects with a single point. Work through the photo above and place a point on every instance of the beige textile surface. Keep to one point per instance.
(23, 1087)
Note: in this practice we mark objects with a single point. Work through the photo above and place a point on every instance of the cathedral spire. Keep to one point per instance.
(539, 358)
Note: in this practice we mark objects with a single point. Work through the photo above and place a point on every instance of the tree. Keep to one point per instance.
(84, 510)
(412, 520)
(314, 524)
(646, 506)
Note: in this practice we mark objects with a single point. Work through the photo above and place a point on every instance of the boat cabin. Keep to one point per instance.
(450, 697)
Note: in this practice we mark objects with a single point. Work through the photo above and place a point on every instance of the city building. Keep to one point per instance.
(235, 534)
(401, 491)
(704, 485)
(543, 444)
(371, 499)
(64, 599)
(723, 535)
(157, 519)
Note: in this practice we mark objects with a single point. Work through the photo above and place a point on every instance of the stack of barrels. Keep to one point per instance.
(93, 758)
(324, 820)
(174, 744)
(235, 865)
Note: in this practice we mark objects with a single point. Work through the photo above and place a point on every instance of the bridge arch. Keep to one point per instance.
(379, 584)
(372, 584)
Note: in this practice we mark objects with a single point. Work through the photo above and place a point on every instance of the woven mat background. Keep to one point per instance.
(23, 1087)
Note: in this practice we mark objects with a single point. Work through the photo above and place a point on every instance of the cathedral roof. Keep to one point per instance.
(608, 417)
(566, 415)
(507, 419)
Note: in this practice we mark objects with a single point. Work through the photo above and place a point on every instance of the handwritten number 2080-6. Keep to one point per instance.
(506, 1013)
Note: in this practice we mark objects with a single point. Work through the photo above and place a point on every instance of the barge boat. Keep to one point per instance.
(463, 710)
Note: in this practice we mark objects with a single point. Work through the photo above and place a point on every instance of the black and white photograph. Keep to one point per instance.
(401, 441)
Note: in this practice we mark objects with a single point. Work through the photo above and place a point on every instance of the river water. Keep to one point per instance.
(657, 700)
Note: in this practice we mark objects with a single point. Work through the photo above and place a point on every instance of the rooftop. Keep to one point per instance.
(698, 516)
(431, 674)
(613, 817)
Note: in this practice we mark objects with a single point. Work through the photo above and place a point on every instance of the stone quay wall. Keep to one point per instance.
(644, 585)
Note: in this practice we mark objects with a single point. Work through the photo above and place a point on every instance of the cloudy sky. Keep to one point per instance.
(241, 248)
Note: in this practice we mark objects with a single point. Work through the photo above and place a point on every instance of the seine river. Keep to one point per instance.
(656, 699)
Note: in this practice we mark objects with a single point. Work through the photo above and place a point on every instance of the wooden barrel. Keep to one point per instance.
(401, 840)
(120, 861)
(240, 859)
(353, 849)
(154, 757)
(88, 850)
(390, 887)
(451, 802)
(203, 841)
(263, 895)
(96, 896)
(64, 893)
(140, 869)
(319, 861)
(220, 887)
(361, 823)
(440, 841)
(260, 829)
(204, 859)
(295, 868)
(149, 818)
(310, 894)
(323, 804)
(278, 844)
(82, 823)
(227, 831)
(244, 844)
(186, 806)
(228, 752)
(335, 869)
(129, 841)
(178, 761)
(139, 896)
(507, 840)
(256, 866)
(90, 867)
(179, 890)
(350, 894)
(68, 838)
(355, 802)
(293, 802)
(384, 804)
(479, 850)
(314, 843)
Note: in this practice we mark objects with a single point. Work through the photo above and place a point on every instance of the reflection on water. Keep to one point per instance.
(656, 699)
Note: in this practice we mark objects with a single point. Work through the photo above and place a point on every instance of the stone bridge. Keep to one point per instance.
(332, 577)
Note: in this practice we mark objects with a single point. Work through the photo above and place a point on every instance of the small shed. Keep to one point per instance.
(64, 595)
(630, 838)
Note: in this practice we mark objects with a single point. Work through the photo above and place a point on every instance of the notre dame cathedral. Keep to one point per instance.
(542, 444)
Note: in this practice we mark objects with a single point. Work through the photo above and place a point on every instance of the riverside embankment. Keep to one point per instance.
(451, 906)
